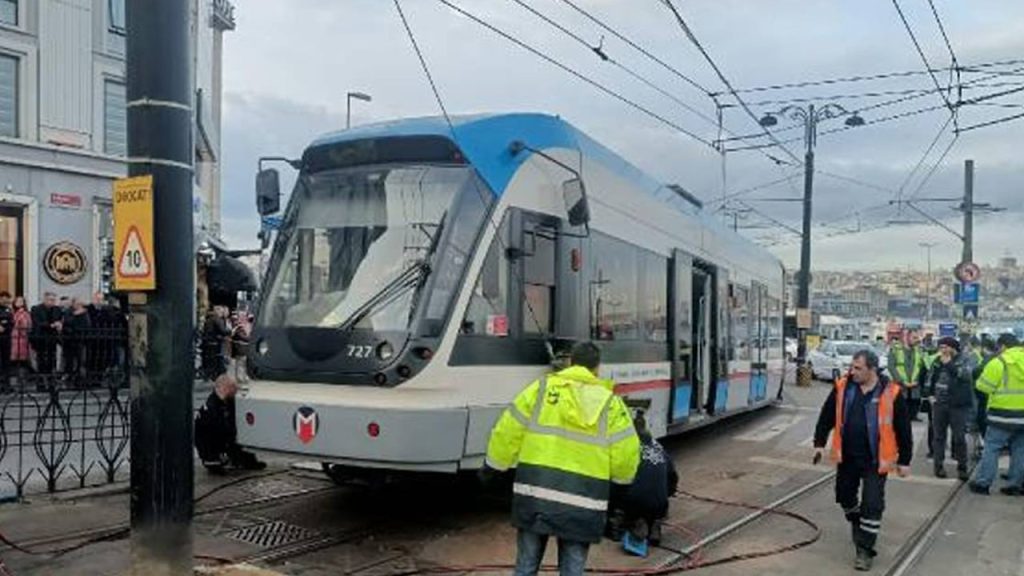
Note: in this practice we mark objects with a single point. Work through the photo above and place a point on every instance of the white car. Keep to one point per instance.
(791, 349)
(833, 358)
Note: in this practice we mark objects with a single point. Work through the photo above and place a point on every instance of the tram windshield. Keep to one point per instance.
(357, 245)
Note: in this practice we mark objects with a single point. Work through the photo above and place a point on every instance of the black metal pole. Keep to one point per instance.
(803, 298)
(159, 80)
(968, 251)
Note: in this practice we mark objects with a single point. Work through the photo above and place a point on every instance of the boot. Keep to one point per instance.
(962, 474)
(940, 471)
(863, 561)
(654, 536)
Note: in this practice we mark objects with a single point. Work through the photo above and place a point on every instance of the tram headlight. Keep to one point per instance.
(385, 351)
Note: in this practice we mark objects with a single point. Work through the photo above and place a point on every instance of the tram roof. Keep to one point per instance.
(485, 140)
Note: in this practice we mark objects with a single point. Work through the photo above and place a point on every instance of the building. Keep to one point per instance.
(63, 138)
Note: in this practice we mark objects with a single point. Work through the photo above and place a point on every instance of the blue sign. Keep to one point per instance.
(272, 222)
(947, 329)
(970, 311)
(969, 293)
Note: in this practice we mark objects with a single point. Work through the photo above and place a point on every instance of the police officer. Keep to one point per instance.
(569, 438)
(871, 437)
(952, 405)
(1003, 382)
(906, 368)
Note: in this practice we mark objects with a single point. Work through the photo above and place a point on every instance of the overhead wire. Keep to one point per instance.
(920, 52)
(601, 87)
(688, 32)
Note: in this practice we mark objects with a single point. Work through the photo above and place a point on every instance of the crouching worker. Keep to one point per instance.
(216, 436)
(569, 437)
(644, 503)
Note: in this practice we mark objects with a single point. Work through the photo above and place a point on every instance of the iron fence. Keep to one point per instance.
(64, 414)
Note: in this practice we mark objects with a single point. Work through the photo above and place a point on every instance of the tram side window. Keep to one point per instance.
(741, 322)
(539, 280)
(487, 314)
(654, 304)
(612, 289)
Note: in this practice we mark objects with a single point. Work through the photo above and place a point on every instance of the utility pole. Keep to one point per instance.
(159, 75)
(810, 117)
(968, 208)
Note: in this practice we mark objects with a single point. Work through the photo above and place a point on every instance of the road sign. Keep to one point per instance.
(969, 293)
(968, 272)
(947, 329)
(134, 267)
(970, 312)
(804, 320)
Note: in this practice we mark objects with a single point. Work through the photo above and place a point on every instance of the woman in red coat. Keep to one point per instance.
(20, 352)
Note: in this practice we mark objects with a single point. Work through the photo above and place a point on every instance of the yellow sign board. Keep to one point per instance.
(813, 341)
(134, 266)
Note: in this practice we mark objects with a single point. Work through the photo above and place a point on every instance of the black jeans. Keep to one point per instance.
(946, 418)
(858, 479)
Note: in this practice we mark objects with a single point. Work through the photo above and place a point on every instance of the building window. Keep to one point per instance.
(11, 278)
(115, 9)
(8, 96)
(115, 119)
(9, 12)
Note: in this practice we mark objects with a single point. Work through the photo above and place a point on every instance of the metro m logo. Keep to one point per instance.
(305, 423)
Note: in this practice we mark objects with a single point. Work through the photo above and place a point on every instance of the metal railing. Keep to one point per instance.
(64, 408)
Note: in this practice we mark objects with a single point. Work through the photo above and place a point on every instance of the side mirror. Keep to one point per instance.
(576, 206)
(268, 192)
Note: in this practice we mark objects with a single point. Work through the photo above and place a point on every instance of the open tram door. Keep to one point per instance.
(692, 337)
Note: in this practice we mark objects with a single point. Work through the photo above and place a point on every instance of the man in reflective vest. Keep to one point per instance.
(569, 438)
(871, 437)
(1003, 382)
(906, 368)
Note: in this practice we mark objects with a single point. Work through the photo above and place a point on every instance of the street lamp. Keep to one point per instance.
(348, 105)
(928, 287)
(810, 117)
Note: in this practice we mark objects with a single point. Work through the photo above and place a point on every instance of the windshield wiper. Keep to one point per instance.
(411, 277)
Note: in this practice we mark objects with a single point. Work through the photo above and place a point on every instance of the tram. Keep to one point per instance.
(425, 271)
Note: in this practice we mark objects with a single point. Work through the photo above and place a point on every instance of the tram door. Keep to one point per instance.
(704, 301)
(681, 337)
(759, 354)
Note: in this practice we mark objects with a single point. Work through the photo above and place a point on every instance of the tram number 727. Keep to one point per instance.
(359, 351)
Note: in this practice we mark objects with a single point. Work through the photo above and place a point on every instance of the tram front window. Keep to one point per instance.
(357, 244)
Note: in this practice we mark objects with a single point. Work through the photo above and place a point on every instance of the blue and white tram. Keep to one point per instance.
(423, 272)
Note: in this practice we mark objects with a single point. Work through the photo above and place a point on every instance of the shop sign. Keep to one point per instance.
(65, 263)
(66, 200)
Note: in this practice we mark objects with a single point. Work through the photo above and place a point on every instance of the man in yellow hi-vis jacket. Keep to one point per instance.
(569, 437)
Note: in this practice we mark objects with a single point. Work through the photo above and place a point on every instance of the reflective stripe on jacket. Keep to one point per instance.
(1003, 381)
(905, 364)
(569, 437)
(881, 434)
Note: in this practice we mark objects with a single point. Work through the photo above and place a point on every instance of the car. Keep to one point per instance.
(833, 358)
(791, 349)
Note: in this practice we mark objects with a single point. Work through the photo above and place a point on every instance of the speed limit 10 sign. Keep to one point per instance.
(134, 267)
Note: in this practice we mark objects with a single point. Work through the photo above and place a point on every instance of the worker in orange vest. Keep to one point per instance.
(871, 437)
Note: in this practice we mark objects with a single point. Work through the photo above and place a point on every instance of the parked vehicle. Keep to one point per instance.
(833, 358)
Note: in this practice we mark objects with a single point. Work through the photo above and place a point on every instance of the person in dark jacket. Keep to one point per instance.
(216, 435)
(952, 391)
(645, 501)
(869, 422)
(216, 332)
(47, 323)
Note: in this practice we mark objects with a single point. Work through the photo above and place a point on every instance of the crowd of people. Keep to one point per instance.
(76, 340)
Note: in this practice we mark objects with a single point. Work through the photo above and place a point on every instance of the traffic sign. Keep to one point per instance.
(969, 293)
(134, 267)
(968, 272)
(947, 329)
(970, 312)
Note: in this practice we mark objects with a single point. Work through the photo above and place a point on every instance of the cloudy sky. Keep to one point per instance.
(289, 64)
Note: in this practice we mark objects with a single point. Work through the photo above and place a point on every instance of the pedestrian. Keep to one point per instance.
(644, 503)
(47, 323)
(21, 354)
(6, 329)
(569, 438)
(214, 345)
(952, 406)
(906, 368)
(931, 362)
(1003, 382)
(871, 437)
(216, 434)
(241, 326)
(74, 335)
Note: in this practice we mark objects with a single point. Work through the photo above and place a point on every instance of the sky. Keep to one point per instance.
(289, 64)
